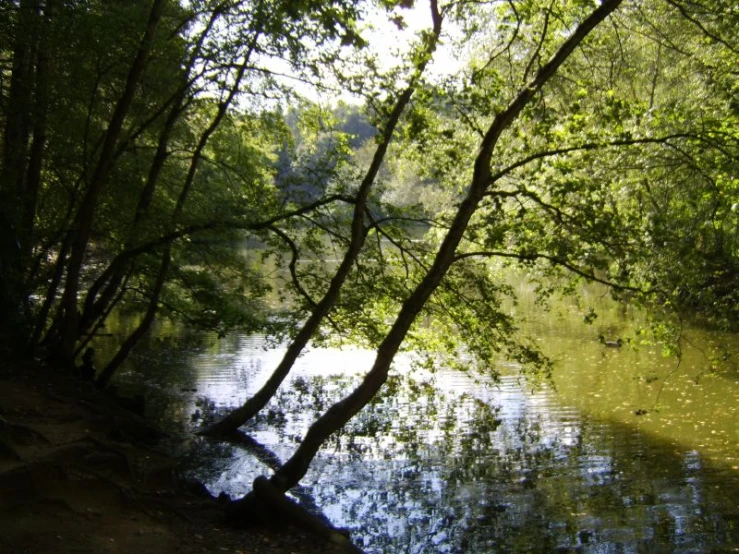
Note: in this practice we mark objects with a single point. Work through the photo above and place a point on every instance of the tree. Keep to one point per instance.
(482, 179)
(570, 134)
(113, 188)
(582, 141)
(358, 235)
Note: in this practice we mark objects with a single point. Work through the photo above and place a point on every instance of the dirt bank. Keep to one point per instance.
(79, 474)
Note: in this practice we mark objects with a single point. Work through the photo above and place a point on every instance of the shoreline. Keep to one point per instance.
(79, 473)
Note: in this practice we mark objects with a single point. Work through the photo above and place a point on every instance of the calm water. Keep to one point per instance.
(449, 462)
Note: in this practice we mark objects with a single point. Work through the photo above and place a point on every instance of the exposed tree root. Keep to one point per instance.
(268, 504)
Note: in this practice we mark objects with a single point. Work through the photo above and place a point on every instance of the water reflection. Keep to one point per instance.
(446, 463)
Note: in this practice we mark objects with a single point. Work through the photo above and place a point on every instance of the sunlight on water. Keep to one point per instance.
(625, 451)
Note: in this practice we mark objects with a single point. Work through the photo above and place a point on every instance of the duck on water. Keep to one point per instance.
(618, 343)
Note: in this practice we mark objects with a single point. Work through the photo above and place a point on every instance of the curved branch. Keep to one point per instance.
(172, 236)
(293, 261)
(539, 44)
(581, 148)
(698, 24)
(590, 276)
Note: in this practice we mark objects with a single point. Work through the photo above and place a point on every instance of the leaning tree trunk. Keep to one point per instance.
(86, 214)
(239, 416)
(166, 261)
(97, 304)
(340, 413)
(142, 328)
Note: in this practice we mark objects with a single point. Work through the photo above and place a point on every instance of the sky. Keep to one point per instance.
(389, 43)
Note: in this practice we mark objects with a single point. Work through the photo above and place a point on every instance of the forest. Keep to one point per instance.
(426, 148)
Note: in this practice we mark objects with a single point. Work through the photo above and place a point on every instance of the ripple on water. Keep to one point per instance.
(463, 465)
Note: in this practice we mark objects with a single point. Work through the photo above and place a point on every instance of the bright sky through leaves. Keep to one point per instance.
(389, 36)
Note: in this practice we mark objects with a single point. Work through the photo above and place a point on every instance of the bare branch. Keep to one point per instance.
(694, 21)
(295, 255)
(555, 260)
(581, 148)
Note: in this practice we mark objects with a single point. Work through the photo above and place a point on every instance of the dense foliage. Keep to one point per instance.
(139, 140)
(142, 140)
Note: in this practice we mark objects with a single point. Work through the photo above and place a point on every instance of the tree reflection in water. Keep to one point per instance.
(486, 468)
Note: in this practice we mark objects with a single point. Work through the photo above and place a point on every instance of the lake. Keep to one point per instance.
(623, 451)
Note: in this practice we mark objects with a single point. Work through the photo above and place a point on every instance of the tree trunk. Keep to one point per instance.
(141, 330)
(96, 303)
(38, 145)
(239, 416)
(143, 327)
(16, 135)
(340, 413)
(51, 291)
(19, 108)
(86, 213)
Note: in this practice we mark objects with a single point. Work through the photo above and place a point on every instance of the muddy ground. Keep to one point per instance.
(80, 474)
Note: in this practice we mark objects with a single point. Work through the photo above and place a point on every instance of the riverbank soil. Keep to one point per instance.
(80, 474)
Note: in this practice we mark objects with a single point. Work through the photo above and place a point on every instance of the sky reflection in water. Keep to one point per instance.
(447, 463)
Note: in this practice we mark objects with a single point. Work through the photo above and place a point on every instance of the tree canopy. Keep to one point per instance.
(574, 140)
